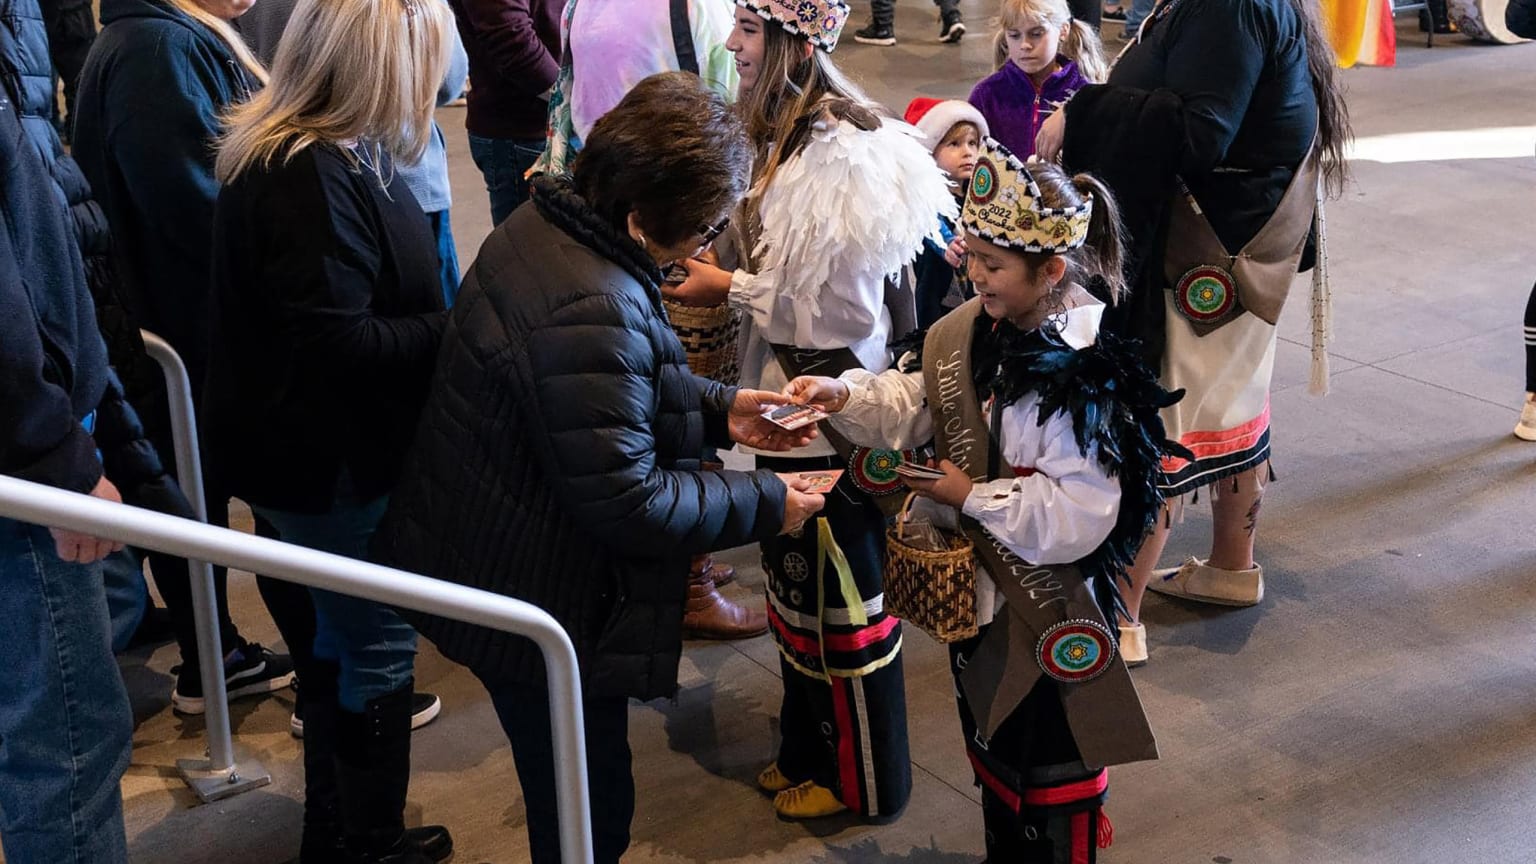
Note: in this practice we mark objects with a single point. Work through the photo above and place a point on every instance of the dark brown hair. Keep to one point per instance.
(673, 152)
(1333, 130)
(1103, 253)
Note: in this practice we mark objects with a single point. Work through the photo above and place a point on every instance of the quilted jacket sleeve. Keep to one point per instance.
(40, 440)
(597, 384)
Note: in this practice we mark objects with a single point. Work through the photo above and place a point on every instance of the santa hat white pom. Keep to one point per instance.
(935, 117)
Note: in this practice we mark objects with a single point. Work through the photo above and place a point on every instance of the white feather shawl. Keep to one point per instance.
(866, 199)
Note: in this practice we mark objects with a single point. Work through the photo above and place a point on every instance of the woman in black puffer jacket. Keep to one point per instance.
(558, 456)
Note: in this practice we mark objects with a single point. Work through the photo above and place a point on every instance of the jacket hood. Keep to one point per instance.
(118, 10)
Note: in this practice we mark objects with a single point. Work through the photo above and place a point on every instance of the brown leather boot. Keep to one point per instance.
(707, 615)
(720, 574)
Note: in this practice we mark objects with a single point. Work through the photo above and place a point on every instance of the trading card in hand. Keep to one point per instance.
(919, 472)
(794, 417)
(821, 481)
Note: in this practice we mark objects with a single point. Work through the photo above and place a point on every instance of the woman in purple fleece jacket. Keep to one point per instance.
(1044, 56)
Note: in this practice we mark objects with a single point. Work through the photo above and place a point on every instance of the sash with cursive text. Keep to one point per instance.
(1104, 712)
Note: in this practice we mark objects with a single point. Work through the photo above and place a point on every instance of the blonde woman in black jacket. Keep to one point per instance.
(558, 456)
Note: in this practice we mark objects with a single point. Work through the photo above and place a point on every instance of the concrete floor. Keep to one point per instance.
(1379, 707)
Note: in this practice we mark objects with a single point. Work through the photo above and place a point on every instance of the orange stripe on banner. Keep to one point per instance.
(1210, 445)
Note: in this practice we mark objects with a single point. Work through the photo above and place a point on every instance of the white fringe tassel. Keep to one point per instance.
(1322, 305)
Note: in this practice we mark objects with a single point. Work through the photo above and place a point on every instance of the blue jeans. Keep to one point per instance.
(127, 595)
(373, 646)
(504, 161)
(447, 256)
(65, 724)
(1140, 9)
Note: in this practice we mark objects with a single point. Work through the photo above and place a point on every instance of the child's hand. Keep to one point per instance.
(954, 256)
(828, 394)
(953, 489)
(706, 285)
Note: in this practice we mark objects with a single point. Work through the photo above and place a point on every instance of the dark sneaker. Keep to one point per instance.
(424, 709)
(952, 27)
(874, 34)
(1115, 14)
(248, 671)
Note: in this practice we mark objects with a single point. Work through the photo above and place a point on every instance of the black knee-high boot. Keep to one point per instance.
(321, 842)
(373, 773)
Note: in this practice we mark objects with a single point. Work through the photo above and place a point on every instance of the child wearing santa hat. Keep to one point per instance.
(952, 131)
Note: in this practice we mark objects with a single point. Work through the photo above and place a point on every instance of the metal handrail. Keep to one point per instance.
(56, 508)
(219, 777)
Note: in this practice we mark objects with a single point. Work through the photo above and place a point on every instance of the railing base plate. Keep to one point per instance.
(213, 786)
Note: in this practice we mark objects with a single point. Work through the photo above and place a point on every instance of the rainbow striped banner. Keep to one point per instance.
(1361, 31)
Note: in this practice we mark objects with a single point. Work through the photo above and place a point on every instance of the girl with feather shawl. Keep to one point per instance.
(1051, 444)
(842, 199)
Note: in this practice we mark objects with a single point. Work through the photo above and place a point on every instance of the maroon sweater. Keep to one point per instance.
(514, 54)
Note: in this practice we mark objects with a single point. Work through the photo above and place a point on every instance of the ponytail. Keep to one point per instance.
(1083, 46)
(1103, 253)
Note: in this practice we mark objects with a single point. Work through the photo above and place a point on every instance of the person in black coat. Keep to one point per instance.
(558, 455)
(328, 310)
(24, 74)
(65, 722)
(149, 160)
(1217, 110)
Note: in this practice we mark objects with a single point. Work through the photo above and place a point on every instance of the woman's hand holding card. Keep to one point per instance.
(749, 424)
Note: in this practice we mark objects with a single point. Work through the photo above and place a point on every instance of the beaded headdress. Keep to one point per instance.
(818, 21)
(1003, 205)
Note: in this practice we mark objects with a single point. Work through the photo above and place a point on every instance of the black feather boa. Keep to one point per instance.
(1113, 398)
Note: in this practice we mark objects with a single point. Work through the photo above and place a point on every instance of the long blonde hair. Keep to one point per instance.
(226, 33)
(364, 71)
(1081, 44)
(788, 86)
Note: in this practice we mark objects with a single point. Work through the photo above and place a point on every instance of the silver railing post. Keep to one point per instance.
(218, 776)
(145, 529)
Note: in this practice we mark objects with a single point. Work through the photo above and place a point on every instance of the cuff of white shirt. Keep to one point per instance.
(987, 497)
(743, 288)
(858, 389)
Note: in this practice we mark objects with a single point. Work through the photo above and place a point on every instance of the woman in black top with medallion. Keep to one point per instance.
(1217, 131)
(328, 316)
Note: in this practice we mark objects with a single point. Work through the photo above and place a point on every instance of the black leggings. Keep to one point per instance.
(884, 11)
(1530, 342)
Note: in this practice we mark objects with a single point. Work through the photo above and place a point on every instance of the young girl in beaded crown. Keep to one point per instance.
(1054, 507)
(1044, 56)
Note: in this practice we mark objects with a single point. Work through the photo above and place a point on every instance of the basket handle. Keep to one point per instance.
(901, 517)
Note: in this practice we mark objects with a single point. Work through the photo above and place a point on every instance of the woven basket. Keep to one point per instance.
(709, 335)
(935, 591)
